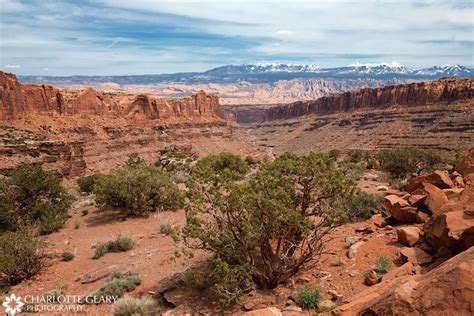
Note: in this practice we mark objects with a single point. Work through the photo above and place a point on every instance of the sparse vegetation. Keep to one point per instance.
(30, 195)
(84, 212)
(54, 295)
(138, 191)
(67, 256)
(77, 225)
(382, 265)
(134, 160)
(337, 262)
(309, 298)
(128, 306)
(334, 154)
(117, 286)
(87, 184)
(357, 155)
(262, 227)
(401, 162)
(359, 205)
(121, 243)
(21, 255)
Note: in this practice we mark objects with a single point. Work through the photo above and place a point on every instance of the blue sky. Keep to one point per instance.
(115, 37)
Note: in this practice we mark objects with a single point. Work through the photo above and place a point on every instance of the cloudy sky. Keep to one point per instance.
(114, 37)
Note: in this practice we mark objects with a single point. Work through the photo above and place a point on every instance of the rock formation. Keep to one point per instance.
(405, 95)
(17, 100)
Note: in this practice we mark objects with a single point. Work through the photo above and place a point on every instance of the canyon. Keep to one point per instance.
(81, 131)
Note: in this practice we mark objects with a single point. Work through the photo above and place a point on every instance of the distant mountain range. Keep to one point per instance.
(268, 73)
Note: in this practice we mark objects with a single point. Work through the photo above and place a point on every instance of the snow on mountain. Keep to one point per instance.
(446, 70)
(260, 68)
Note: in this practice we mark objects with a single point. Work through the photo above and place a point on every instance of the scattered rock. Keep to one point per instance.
(454, 230)
(353, 273)
(302, 280)
(405, 214)
(405, 269)
(335, 296)
(416, 199)
(445, 290)
(421, 217)
(351, 253)
(382, 188)
(293, 308)
(98, 274)
(408, 235)
(268, 311)
(377, 219)
(415, 255)
(371, 278)
(437, 178)
(453, 193)
(435, 199)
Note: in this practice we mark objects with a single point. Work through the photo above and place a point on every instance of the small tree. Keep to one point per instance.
(268, 225)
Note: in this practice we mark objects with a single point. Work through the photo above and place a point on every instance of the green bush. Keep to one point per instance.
(401, 162)
(138, 191)
(309, 298)
(121, 243)
(130, 306)
(261, 225)
(359, 205)
(334, 154)
(225, 166)
(87, 184)
(67, 256)
(21, 255)
(134, 160)
(30, 195)
(357, 155)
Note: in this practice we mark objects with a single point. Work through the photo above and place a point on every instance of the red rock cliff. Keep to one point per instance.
(18, 99)
(405, 95)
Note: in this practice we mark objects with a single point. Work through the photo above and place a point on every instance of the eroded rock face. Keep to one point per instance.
(18, 99)
(406, 95)
(445, 290)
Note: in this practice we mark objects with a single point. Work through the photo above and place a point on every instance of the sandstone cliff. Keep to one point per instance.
(404, 95)
(18, 100)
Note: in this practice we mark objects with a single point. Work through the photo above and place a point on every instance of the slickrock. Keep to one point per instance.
(415, 255)
(407, 268)
(446, 290)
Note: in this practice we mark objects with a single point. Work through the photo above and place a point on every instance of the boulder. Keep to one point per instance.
(351, 253)
(454, 230)
(437, 178)
(416, 199)
(415, 255)
(391, 200)
(408, 235)
(326, 305)
(446, 290)
(371, 278)
(435, 199)
(405, 214)
(453, 192)
(466, 165)
(422, 217)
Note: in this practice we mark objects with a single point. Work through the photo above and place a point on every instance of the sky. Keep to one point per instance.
(130, 37)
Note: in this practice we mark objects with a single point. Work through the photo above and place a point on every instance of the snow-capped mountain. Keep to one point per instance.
(446, 70)
(261, 68)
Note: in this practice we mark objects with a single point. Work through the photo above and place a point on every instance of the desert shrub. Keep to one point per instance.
(251, 161)
(134, 160)
(87, 184)
(121, 243)
(309, 298)
(138, 191)
(117, 286)
(67, 256)
(353, 170)
(265, 228)
(382, 265)
(334, 153)
(77, 225)
(30, 195)
(401, 162)
(128, 306)
(84, 212)
(336, 262)
(224, 165)
(21, 255)
(357, 155)
(359, 205)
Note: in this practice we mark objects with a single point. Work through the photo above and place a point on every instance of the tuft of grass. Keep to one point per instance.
(382, 265)
(117, 286)
(77, 225)
(85, 212)
(336, 262)
(309, 298)
(121, 243)
(67, 256)
(128, 306)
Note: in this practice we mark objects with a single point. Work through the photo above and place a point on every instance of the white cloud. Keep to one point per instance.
(12, 66)
(283, 32)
